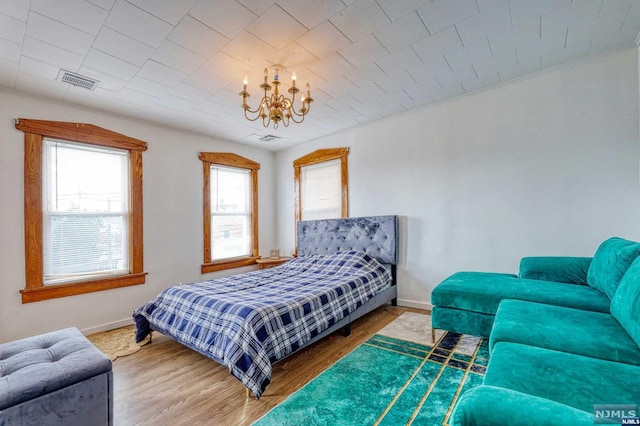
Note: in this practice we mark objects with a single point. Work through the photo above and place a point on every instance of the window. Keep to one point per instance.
(85, 212)
(83, 209)
(230, 211)
(321, 184)
(321, 191)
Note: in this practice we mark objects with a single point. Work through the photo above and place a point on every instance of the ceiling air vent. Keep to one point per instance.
(77, 80)
(269, 138)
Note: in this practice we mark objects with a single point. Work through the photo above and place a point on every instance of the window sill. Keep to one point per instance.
(227, 264)
(37, 294)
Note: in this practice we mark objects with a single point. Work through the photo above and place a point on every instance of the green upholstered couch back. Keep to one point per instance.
(610, 262)
(625, 305)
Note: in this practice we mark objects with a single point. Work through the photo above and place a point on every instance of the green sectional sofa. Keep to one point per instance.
(467, 302)
(552, 360)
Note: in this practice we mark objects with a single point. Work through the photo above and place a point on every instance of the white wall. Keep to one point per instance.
(172, 218)
(543, 166)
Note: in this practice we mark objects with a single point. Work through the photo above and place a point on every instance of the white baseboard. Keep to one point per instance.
(109, 326)
(415, 304)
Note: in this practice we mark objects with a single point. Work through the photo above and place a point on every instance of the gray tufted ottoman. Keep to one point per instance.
(58, 378)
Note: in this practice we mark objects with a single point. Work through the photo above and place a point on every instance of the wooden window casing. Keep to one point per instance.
(229, 160)
(34, 133)
(315, 157)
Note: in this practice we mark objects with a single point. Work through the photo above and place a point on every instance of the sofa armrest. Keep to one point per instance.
(571, 270)
(489, 406)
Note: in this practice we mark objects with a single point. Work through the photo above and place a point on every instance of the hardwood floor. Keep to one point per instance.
(167, 383)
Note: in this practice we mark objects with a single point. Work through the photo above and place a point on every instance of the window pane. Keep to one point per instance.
(85, 211)
(230, 215)
(230, 236)
(321, 187)
(83, 178)
(78, 245)
(229, 190)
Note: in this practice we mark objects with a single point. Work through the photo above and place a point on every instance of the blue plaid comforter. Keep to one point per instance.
(247, 321)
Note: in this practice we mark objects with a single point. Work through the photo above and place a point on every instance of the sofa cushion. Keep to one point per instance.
(571, 270)
(574, 380)
(491, 405)
(610, 262)
(483, 292)
(625, 305)
(593, 334)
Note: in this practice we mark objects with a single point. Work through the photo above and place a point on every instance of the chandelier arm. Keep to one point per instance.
(293, 118)
(266, 120)
(249, 118)
(257, 111)
(250, 111)
(300, 114)
(293, 112)
(247, 108)
(306, 107)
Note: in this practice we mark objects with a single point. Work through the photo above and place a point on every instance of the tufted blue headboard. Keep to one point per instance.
(375, 235)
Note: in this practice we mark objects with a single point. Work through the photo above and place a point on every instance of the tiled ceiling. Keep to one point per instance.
(182, 62)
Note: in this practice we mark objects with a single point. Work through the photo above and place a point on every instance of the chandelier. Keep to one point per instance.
(275, 107)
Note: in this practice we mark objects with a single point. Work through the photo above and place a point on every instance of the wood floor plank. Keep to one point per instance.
(166, 383)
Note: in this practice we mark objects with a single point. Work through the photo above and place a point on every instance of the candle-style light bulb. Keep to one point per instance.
(293, 79)
(266, 75)
(245, 82)
(308, 90)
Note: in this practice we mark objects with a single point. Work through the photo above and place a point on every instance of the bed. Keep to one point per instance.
(345, 268)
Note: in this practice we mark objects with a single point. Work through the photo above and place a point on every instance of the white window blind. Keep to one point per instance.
(230, 212)
(86, 208)
(321, 190)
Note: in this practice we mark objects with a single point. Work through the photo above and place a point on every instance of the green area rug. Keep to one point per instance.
(388, 381)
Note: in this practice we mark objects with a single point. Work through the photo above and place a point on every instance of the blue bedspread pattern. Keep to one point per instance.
(247, 321)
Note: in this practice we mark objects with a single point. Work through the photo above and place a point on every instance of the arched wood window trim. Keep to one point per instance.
(230, 160)
(315, 157)
(34, 133)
